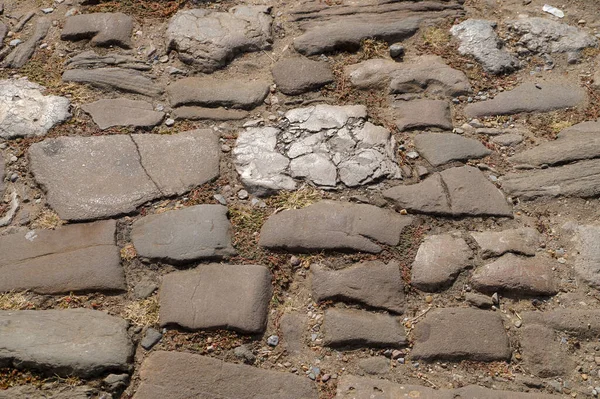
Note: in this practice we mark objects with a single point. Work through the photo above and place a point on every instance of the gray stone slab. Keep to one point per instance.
(2, 175)
(122, 79)
(429, 196)
(103, 29)
(82, 342)
(299, 75)
(215, 296)
(123, 112)
(215, 114)
(441, 148)
(422, 114)
(91, 59)
(587, 261)
(584, 323)
(61, 392)
(523, 241)
(543, 355)
(23, 52)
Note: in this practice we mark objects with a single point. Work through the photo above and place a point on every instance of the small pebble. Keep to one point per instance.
(47, 10)
(273, 340)
(412, 155)
(518, 323)
(222, 200)
(242, 194)
(170, 122)
(15, 42)
(225, 148)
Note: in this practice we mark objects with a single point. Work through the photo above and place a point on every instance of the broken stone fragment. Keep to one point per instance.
(103, 29)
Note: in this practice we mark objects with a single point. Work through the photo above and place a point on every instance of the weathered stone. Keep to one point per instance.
(210, 92)
(298, 75)
(20, 55)
(329, 225)
(542, 353)
(293, 326)
(421, 114)
(439, 260)
(523, 241)
(374, 284)
(74, 341)
(530, 97)
(584, 323)
(316, 168)
(2, 174)
(375, 365)
(103, 29)
(127, 80)
(581, 179)
(478, 39)
(178, 375)
(209, 40)
(511, 274)
(478, 300)
(423, 74)
(26, 112)
(194, 233)
(91, 59)
(358, 328)
(507, 140)
(62, 392)
(461, 334)
(428, 196)
(441, 148)
(215, 296)
(123, 112)
(587, 262)
(215, 114)
(81, 257)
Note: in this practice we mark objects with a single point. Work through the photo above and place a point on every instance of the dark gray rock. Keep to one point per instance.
(127, 80)
(20, 55)
(144, 288)
(103, 29)
(478, 300)
(523, 241)
(441, 148)
(244, 353)
(421, 114)
(202, 113)
(123, 112)
(151, 338)
(508, 139)
(298, 75)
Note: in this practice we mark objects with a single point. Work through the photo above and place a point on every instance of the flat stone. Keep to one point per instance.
(581, 179)
(375, 365)
(358, 328)
(72, 258)
(335, 226)
(211, 93)
(421, 114)
(583, 323)
(439, 260)
(216, 296)
(429, 196)
(123, 112)
(543, 354)
(523, 241)
(508, 139)
(209, 40)
(2, 174)
(151, 338)
(194, 233)
(587, 262)
(202, 113)
(179, 375)
(461, 334)
(299, 75)
(26, 112)
(478, 38)
(478, 300)
(91, 59)
(22, 53)
(127, 80)
(62, 392)
(78, 342)
(103, 29)
(530, 97)
(373, 284)
(441, 148)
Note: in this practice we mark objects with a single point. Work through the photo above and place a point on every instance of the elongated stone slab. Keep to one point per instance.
(524, 241)
(103, 29)
(587, 262)
(441, 148)
(123, 112)
(584, 323)
(127, 80)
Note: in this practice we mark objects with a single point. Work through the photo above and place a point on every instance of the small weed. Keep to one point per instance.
(47, 220)
(143, 312)
(558, 126)
(15, 301)
(10, 377)
(128, 252)
(72, 301)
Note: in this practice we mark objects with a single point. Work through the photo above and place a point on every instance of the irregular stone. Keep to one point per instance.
(194, 233)
(373, 284)
(542, 353)
(421, 114)
(358, 328)
(103, 29)
(20, 55)
(587, 262)
(62, 392)
(584, 323)
(122, 79)
(523, 241)
(441, 148)
(439, 260)
(299, 75)
(530, 97)
(481, 301)
(581, 179)
(330, 225)
(209, 40)
(215, 114)
(123, 112)
(26, 112)
(428, 196)
(478, 39)
(179, 375)
(91, 59)
(215, 296)
(461, 334)
(211, 93)
(144, 288)
(507, 140)
(375, 365)
(78, 342)
(72, 258)
(151, 338)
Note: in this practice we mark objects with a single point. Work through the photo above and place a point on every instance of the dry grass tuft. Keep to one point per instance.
(141, 8)
(298, 199)
(48, 220)
(143, 312)
(128, 252)
(436, 37)
(15, 301)
(372, 48)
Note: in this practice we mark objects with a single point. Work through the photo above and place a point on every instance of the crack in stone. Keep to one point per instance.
(137, 148)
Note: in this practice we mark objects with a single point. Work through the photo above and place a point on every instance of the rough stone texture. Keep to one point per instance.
(62, 392)
(298, 75)
(177, 375)
(584, 323)
(455, 191)
(478, 300)
(422, 74)
(514, 275)
(543, 354)
(439, 260)
(523, 241)
(211, 93)
(375, 365)
(127, 80)
(2, 174)
(530, 97)
(208, 40)
(581, 179)
(215, 114)
(478, 39)
(103, 29)
(373, 284)
(82, 342)
(215, 296)
(123, 112)
(587, 262)
(507, 140)
(23, 52)
(421, 114)
(26, 112)
(91, 59)
(81, 257)
(358, 328)
(94, 177)
(194, 233)
(461, 333)
(329, 225)
(293, 326)
(441, 148)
